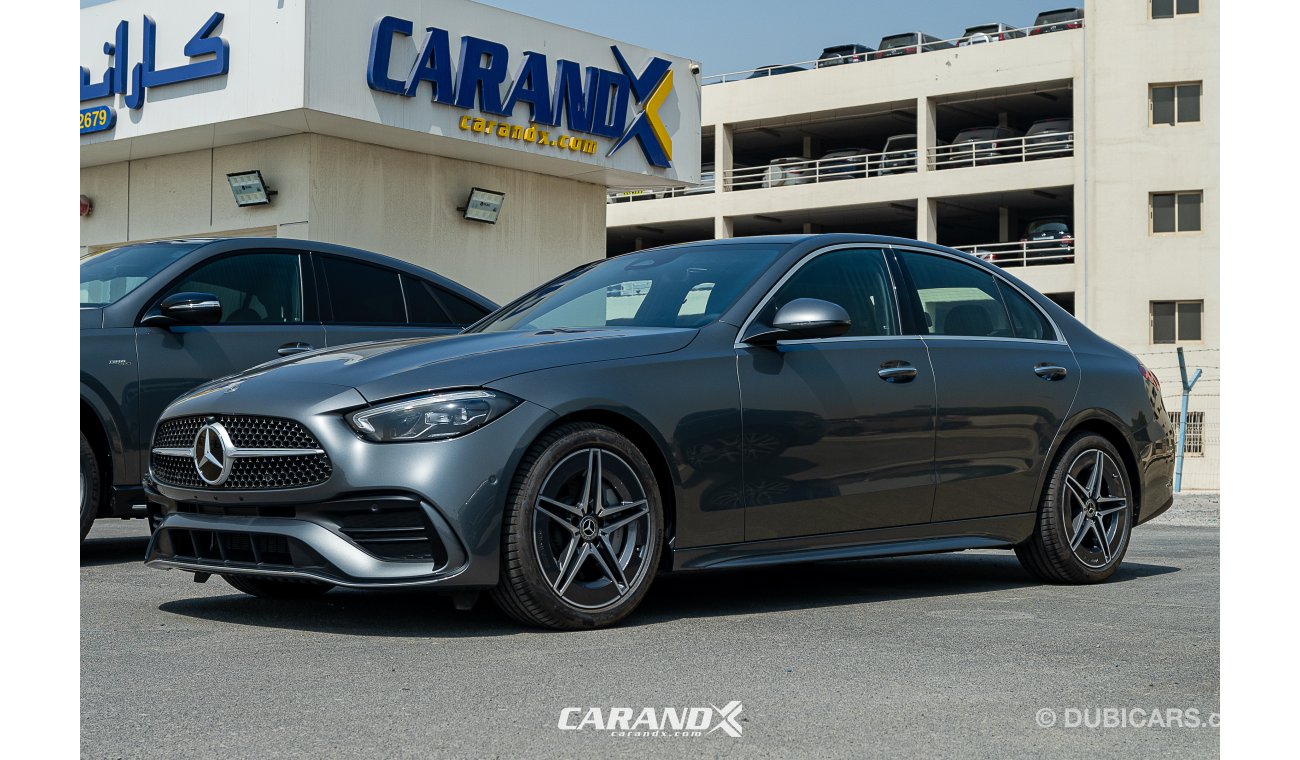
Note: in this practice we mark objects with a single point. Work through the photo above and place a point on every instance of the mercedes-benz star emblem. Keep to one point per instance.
(212, 449)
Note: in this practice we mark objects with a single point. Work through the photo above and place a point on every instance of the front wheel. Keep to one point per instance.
(583, 530)
(1085, 516)
(92, 487)
(277, 588)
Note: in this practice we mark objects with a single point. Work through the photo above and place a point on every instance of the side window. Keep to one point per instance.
(856, 279)
(1027, 321)
(254, 288)
(462, 312)
(361, 293)
(957, 298)
(428, 304)
(421, 304)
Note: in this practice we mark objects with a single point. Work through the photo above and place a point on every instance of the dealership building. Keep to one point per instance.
(1118, 186)
(370, 124)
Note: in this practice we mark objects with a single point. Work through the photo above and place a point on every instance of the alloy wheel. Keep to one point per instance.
(592, 529)
(1096, 508)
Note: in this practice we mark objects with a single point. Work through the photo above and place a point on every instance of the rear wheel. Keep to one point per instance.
(1085, 516)
(92, 486)
(583, 530)
(277, 588)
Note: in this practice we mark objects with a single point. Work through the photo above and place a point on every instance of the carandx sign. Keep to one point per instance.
(588, 100)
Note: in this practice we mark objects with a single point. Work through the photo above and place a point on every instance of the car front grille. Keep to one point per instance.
(247, 473)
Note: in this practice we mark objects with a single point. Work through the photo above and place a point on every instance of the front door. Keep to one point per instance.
(261, 319)
(838, 433)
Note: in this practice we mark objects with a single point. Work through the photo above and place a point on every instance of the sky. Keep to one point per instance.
(735, 35)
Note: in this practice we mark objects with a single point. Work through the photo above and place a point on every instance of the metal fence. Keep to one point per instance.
(1200, 470)
(1024, 252)
(1004, 150)
(1005, 35)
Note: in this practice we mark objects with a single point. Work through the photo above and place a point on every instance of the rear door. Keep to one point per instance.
(263, 305)
(1005, 384)
(361, 301)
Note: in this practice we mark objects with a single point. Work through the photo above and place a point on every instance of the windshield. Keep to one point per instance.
(1059, 125)
(1038, 228)
(902, 142)
(667, 287)
(108, 277)
(898, 40)
(1053, 17)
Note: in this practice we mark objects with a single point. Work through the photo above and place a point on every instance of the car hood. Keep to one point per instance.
(385, 369)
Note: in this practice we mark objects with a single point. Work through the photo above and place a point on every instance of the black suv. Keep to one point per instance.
(841, 54)
(1057, 21)
(159, 318)
(909, 43)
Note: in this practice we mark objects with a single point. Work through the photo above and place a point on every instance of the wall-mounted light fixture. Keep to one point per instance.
(249, 188)
(483, 205)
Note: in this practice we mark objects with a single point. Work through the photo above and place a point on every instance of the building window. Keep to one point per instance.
(1194, 444)
(1175, 212)
(1171, 8)
(1176, 103)
(1176, 321)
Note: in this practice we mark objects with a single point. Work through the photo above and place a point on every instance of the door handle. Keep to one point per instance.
(289, 349)
(1051, 371)
(897, 372)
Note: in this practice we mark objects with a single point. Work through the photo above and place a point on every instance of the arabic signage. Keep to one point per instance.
(145, 73)
(452, 78)
(593, 101)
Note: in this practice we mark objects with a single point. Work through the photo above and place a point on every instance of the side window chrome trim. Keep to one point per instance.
(998, 278)
(772, 291)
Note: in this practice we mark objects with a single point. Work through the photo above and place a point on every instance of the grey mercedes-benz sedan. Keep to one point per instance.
(717, 404)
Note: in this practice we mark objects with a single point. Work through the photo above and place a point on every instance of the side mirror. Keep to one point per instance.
(801, 318)
(185, 309)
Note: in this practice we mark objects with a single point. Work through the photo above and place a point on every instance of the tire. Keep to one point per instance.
(277, 588)
(562, 551)
(92, 486)
(1083, 525)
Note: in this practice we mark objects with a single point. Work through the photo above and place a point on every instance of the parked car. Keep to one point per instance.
(841, 54)
(898, 155)
(978, 146)
(1050, 138)
(563, 452)
(159, 318)
(1049, 237)
(908, 43)
(771, 71)
(1058, 21)
(846, 163)
(985, 33)
(792, 170)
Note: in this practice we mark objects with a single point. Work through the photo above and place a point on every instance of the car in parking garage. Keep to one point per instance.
(979, 146)
(908, 43)
(539, 457)
(845, 163)
(791, 170)
(898, 155)
(1049, 237)
(841, 54)
(159, 318)
(984, 33)
(1049, 138)
(1057, 21)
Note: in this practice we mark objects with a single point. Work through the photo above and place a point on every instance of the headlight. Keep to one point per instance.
(431, 418)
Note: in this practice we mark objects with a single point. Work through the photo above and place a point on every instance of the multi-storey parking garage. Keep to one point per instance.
(1083, 157)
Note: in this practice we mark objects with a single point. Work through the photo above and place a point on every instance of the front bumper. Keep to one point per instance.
(390, 515)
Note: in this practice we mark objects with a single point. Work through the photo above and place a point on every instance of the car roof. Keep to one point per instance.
(998, 24)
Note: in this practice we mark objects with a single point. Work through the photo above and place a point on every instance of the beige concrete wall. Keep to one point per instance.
(405, 205)
(395, 202)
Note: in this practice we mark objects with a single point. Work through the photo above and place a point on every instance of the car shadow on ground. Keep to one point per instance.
(113, 551)
(423, 613)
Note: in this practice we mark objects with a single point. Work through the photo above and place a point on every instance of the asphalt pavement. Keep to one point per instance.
(957, 655)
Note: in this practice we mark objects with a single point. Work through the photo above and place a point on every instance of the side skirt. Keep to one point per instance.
(981, 533)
